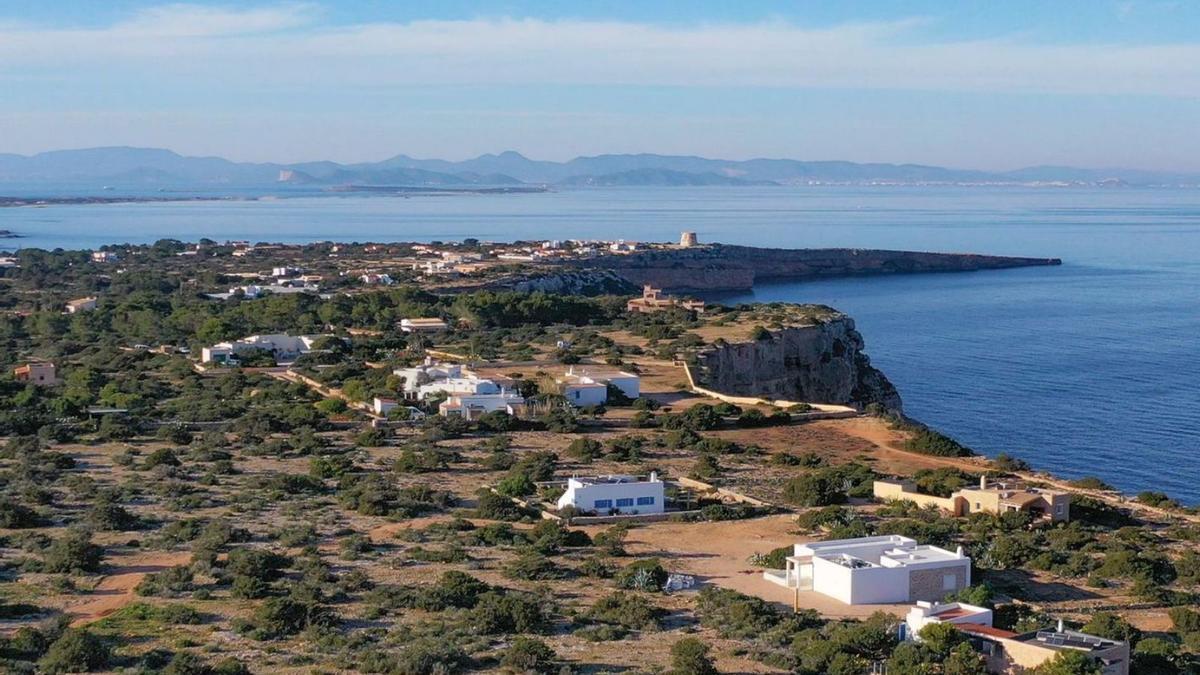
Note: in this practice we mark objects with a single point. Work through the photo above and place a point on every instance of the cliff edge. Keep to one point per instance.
(822, 362)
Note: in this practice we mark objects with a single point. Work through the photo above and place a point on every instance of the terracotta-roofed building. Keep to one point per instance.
(990, 497)
(654, 300)
(40, 372)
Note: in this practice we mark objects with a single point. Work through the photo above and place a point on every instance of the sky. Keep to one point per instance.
(971, 84)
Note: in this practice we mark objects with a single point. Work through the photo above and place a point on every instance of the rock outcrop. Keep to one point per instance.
(574, 282)
(819, 363)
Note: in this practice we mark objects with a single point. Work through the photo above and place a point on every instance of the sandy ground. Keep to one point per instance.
(717, 553)
(115, 590)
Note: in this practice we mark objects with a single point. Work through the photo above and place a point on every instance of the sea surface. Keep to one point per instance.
(1091, 368)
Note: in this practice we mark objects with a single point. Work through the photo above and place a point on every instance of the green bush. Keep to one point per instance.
(107, 517)
(689, 656)
(76, 651)
(504, 613)
(642, 575)
(72, 552)
(284, 616)
(15, 516)
(529, 655)
(492, 506)
(532, 566)
(931, 442)
(430, 656)
(585, 449)
(170, 582)
(816, 488)
(629, 610)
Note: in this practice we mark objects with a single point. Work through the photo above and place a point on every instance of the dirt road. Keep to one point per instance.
(115, 590)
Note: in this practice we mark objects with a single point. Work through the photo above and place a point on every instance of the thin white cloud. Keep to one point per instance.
(183, 20)
(284, 46)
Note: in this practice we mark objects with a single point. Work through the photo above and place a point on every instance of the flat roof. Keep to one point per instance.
(1067, 639)
(989, 631)
(956, 611)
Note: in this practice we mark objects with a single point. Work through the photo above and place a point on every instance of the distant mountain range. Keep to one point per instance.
(150, 167)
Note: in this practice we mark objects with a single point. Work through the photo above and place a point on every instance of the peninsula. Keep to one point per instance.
(722, 267)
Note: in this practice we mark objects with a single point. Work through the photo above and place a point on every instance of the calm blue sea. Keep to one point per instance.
(1092, 368)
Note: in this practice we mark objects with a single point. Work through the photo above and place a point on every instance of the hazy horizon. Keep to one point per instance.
(986, 86)
(532, 157)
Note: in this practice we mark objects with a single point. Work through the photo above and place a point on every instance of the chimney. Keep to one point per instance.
(653, 476)
(1060, 625)
(983, 482)
(959, 551)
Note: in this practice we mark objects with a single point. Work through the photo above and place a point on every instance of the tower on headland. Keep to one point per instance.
(687, 239)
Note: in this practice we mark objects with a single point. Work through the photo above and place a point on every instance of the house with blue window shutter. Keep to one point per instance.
(615, 494)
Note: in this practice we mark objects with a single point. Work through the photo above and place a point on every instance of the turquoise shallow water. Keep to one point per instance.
(1092, 368)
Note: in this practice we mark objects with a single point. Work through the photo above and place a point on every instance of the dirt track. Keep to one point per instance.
(115, 590)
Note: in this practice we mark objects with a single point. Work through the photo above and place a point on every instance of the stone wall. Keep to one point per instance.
(926, 584)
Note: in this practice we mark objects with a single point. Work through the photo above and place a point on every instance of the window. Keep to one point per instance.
(602, 504)
(625, 502)
(949, 582)
(645, 501)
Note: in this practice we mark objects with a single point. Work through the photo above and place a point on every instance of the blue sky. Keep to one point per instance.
(992, 85)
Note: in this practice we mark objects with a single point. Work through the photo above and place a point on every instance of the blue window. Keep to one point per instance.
(625, 502)
(645, 501)
(602, 504)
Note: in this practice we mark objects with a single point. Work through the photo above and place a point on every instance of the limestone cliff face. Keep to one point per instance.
(581, 282)
(822, 363)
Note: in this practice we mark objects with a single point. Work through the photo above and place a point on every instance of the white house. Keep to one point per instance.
(376, 279)
(422, 325)
(383, 406)
(473, 406)
(615, 494)
(583, 386)
(283, 347)
(924, 613)
(81, 305)
(426, 373)
(468, 385)
(874, 570)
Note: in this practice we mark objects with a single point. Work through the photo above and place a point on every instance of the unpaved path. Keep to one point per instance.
(115, 590)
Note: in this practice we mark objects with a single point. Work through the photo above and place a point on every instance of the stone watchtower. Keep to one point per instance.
(687, 239)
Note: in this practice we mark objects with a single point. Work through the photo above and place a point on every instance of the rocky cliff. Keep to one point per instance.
(719, 267)
(819, 363)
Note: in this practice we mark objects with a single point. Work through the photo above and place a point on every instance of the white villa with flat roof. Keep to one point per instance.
(284, 347)
(428, 372)
(583, 386)
(81, 305)
(472, 406)
(459, 386)
(423, 325)
(615, 494)
(874, 570)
